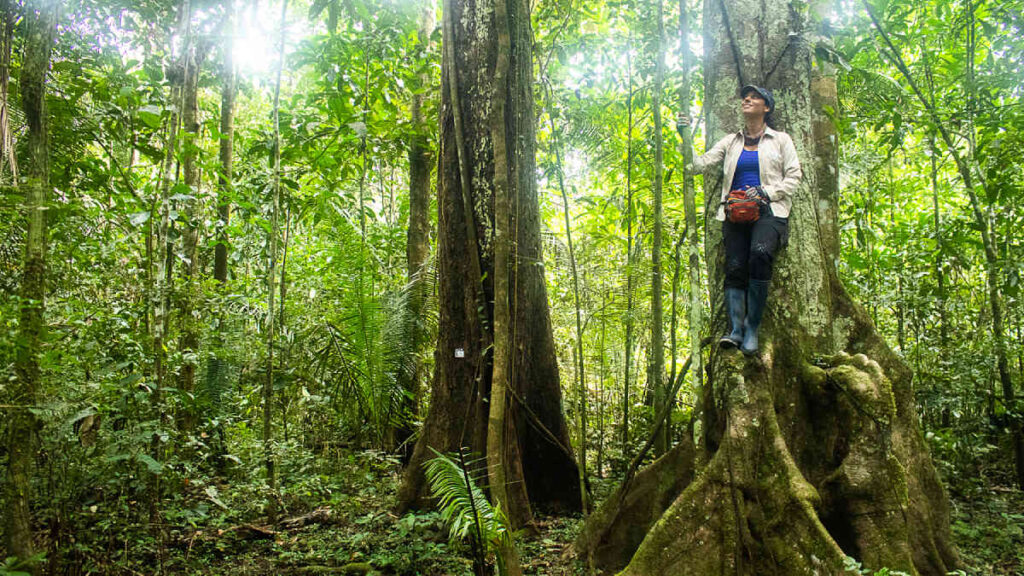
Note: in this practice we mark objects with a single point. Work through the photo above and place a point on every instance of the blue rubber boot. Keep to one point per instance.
(735, 305)
(757, 295)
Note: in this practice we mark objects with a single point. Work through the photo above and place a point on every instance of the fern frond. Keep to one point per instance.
(463, 504)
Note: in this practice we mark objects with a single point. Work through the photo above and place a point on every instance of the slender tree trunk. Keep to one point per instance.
(994, 274)
(1003, 367)
(901, 333)
(695, 308)
(268, 385)
(282, 294)
(499, 431)
(940, 277)
(215, 372)
(869, 245)
(1020, 354)
(417, 243)
(192, 58)
(161, 318)
(970, 88)
(22, 425)
(600, 395)
(629, 251)
(581, 385)
(282, 305)
(283, 283)
(369, 358)
(163, 273)
(657, 313)
(391, 197)
(226, 146)
(677, 262)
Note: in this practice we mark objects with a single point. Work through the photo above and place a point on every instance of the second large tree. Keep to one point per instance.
(811, 451)
(541, 469)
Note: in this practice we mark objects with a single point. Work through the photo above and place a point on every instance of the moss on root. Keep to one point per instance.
(809, 459)
(614, 531)
(750, 504)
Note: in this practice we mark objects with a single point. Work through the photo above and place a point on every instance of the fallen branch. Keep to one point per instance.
(250, 532)
(352, 569)
(321, 515)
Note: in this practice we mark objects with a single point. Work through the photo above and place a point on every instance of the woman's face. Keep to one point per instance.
(753, 105)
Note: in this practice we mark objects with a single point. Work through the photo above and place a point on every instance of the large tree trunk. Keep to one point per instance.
(813, 450)
(542, 470)
(40, 25)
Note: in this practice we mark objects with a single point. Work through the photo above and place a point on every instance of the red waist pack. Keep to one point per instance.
(741, 210)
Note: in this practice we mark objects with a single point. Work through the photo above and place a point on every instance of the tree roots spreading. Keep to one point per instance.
(806, 463)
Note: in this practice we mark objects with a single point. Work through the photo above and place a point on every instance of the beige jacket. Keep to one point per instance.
(778, 165)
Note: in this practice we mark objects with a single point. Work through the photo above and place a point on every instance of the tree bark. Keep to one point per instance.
(811, 451)
(542, 471)
(417, 243)
(22, 425)
(226, 147)
(500, 434)
(215, 371)
(268, 385)
(192, 59)
(629, 252)
(661, 398)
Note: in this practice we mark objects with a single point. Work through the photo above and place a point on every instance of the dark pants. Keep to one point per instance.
(750, 248)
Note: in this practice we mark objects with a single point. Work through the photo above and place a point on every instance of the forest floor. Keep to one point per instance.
(988, 528)
(355, 532)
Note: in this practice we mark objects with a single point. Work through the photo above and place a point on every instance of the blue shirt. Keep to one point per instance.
(747, 173)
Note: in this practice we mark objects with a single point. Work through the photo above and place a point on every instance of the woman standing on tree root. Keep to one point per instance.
(761, 172)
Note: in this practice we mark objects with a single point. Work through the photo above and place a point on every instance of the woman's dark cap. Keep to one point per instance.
(764, 93)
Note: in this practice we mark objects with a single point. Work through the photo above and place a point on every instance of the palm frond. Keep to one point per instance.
(463, 504)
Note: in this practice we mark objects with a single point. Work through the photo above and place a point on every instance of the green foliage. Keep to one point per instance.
(13, 566)
(990, 529)
(911, 245)
(345, 348)
(853, 566)
(463, 505)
